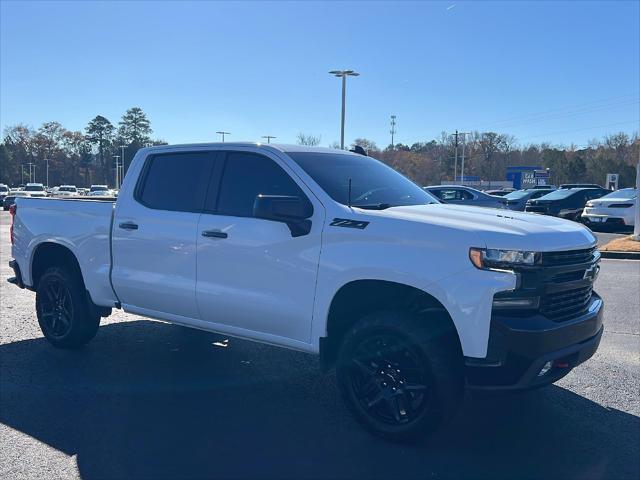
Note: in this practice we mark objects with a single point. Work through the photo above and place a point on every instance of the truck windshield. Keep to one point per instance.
(373, 184)
(34, 188)
(67, 189)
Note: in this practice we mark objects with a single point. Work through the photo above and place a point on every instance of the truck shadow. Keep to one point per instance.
(147, 399)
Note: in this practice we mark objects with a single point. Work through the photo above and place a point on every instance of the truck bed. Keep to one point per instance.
(81, 225)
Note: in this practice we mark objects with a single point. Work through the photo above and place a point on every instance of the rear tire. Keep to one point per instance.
(63, 311)
(400, 375)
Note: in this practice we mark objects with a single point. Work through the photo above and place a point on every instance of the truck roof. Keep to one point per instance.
(274, 146)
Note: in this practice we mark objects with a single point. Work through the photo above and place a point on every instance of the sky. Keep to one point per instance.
(558, 72)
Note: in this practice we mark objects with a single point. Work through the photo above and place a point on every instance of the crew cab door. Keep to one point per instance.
(155, 233)
(255, 278)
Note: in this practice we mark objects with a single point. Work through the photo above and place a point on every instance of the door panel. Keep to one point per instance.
(154, 266)
(155, 234)
(259, 277)
(252, 273)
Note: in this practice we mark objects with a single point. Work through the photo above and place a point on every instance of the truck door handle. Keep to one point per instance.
(214, 234)
(128, 226)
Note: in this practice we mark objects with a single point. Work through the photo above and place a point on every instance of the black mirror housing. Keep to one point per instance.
(292, 210)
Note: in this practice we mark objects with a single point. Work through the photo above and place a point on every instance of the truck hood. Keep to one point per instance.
(506, 229)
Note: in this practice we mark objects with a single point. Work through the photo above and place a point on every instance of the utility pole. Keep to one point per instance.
(223, 133)
(22, 174)
(47, 160)
(393, 130)
(455, 164)
(343, 74)
(268, 137)
(117, 157)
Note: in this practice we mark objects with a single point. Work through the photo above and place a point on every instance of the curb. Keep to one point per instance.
(620, 255)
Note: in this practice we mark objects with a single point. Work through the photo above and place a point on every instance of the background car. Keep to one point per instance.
(580, 185)
(617, 209)
(35, 190)
(518, 200)
(460, 195)
(11, 198)
(4, 191)
(99, 188)
(565, 202)
(499, 193)
(67, 191)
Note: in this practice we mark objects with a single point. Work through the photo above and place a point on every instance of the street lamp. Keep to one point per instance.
(268, 137)
(31, 164)
(343, 74)
(223, 134)
(47, 160)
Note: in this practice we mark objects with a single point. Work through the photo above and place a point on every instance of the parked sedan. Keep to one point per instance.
(565, 203)
(617, 209)
(11, 198)
(459, 195)
(518, 200)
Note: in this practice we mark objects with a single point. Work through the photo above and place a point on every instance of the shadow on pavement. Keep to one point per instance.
(146, 399)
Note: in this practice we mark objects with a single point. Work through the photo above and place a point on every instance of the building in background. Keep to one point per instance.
(527, 176)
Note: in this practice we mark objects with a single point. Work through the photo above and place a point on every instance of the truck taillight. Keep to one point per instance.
(12, 211)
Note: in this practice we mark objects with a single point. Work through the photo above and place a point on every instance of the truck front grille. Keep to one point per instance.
(568, 257)
(566, 305)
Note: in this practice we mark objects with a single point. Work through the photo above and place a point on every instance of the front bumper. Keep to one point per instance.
(521, 347)
(606, 220)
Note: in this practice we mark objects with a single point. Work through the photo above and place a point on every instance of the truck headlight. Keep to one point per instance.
(491, 258)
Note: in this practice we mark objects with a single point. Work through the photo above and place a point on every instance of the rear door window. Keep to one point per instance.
(176, 181)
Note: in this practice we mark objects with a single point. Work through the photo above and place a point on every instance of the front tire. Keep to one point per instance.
(63, 310)
(401, 376)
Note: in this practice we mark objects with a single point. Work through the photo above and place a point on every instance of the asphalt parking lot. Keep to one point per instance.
(150, 400)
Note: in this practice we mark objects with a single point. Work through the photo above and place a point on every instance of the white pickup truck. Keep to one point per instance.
(328, 252)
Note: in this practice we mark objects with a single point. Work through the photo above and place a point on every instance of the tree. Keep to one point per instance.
(100, 134)
(309, 140)
(135, 127)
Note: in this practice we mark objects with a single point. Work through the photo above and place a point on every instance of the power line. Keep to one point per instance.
(568, 114)
(562, 109)
(582, 129)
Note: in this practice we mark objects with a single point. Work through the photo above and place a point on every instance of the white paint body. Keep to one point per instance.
(261, 283)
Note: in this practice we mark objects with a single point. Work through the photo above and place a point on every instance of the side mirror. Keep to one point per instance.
(294, 211)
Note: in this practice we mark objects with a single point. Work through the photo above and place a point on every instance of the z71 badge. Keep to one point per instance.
(344, 222)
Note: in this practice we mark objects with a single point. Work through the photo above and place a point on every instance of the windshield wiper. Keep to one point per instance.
(375, 206)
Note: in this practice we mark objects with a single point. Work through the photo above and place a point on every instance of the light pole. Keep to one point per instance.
(268, 137)
(636, 228)
(47, 160)
(343, 74)
(22, 174)
(117, 171)
(223, 133)
(31, 164)
(122, 164)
